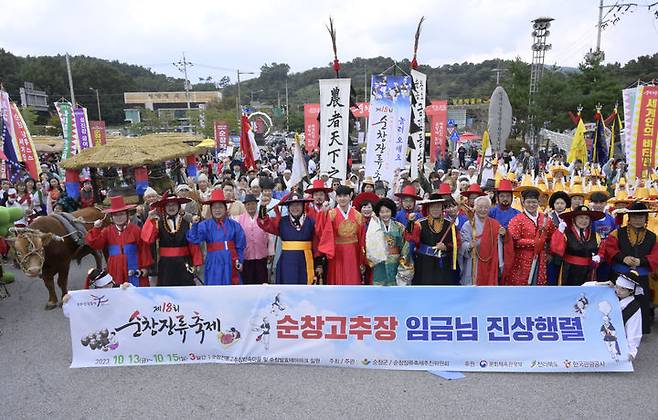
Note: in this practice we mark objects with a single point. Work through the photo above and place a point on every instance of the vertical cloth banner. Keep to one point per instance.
(220, 129)
(645, 131)
(98, 133)
(438, 113)
(82, 128)
(9, 144)
(334, 126)
(65, 112)
(629, 97)
(388, 126)
(26, 150)
(453, 328)
(417, 129)
(311, 129)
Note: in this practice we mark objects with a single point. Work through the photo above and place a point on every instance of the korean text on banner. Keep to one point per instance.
(65, 112)
(311, 127)
(221, 134)
(514, 329)
(438, 113)
(417, 130)
(28, 153)
(645, 131)
(334, 126)
(388, 126)
(82, 128)
(98, 133)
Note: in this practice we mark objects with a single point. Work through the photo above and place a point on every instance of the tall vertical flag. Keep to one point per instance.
(334, 126)
(220, 130)
(578, 149)
(27, 153)
(98, 133)
(9, 149)
(388, 126)
(299, 168)
(417, 128)
(645, 133)
(85, 140)
(16, 141)
(311, 129)
(599, 144)
(248, 144)
(65, 112)
(630, 97)
(615, 129)
(438, 113)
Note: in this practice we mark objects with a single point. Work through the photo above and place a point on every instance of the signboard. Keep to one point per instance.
(221, 134)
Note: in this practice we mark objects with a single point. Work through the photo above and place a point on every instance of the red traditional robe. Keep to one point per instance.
(527, 241)
(109, 238)
(483, 257)
(343, 242)
(317, 214)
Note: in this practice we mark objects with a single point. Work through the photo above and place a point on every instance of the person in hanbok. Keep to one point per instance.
(481, 247)
(225, 242)
(408, 197)
(127, 254)
(385, 244)
(299, 262)
(343, 241)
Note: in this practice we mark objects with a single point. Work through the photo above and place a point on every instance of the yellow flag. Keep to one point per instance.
(578, 149)
(485, 142)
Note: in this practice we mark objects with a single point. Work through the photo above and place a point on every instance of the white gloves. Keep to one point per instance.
(596, 258)
(562, 226)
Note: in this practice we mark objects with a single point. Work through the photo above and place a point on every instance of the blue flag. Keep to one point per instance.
(599, 145)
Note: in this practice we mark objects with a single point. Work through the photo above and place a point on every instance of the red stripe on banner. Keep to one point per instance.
(647, 132)
(245, 143)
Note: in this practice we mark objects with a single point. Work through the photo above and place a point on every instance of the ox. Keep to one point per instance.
(44, 249)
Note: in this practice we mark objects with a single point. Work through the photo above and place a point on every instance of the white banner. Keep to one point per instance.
(631, 106)
(419, 95)
(388, 126)
(334, 126)
(522, 329)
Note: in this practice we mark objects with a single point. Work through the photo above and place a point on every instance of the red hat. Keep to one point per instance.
(318, 185)
(217, 196)
(294, 197)
(473, 189)
(505, 185)
(360, 199)
(118, 205)
(444, 189)
(170, 198)
(409, 191)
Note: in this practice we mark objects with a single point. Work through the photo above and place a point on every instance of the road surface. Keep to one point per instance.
(35, 353)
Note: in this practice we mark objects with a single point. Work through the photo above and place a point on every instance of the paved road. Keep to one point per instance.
(36, 382)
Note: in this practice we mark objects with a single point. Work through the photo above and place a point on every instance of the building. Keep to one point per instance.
(172, 105)
(31, 98)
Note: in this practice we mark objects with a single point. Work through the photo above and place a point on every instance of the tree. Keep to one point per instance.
(30, 118)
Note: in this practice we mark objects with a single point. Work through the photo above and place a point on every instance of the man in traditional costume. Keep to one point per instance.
(86, 193)
(525, 253)
(343, 241)
(320, 194)
(225, 242)
(408, 197)
(127, 252)
(503, 211)
(576, 244)
(260, 245)
(633, 247)
(299, 262)
(178, 256)
(436, 244)
(481, 247)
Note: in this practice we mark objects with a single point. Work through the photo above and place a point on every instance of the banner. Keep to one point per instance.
(82, 128)
(629, 96)
(644, 131)
(311, 129)
(417, 131)
(438, 113)
(457, 328)
(334, 126)
(9, 148)
(98, 133)
(65, 112)
(361, 110)
(28, 154)
(388, 126)
(220, 131)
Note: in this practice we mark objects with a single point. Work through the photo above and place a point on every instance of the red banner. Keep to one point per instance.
(98, 134)
(438, 113)
(311, 127)
(361, 110)
(27, 152)
(221, 134)
(645, 158)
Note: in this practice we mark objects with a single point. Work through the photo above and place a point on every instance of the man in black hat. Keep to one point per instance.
(633, 247)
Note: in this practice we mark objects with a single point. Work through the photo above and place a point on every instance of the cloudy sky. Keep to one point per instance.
(218, 36)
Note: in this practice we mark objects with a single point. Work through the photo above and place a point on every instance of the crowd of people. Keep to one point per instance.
(534, 222)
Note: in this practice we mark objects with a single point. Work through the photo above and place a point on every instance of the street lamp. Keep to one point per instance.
(98, 103)
(237, 99)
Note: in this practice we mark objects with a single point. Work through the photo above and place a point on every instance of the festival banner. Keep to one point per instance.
(26, 149)
(417, 131)
(361, 110)
(98, 133)
(388, 126)
(311, 129)
(454, 328)
(220, 129)
(82, 128)
(629, 97)
(334, 126)
(438, 113)
(645, 132)
(65, 112)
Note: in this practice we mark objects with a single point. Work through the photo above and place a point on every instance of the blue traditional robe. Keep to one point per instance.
(220, 264)
(503, 216)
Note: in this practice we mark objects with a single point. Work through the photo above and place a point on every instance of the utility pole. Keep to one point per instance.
(181, 65)
(68, 70)
(98, 103)
(237, 99)
(287, 114)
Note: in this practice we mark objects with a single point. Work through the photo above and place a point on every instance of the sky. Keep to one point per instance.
(219, 36)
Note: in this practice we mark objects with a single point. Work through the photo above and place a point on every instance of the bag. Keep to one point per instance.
(375, 242)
